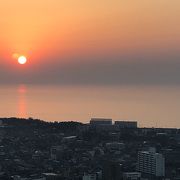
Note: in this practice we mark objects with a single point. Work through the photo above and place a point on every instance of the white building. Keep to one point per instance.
(89, 177)
(151, 163)
(132, 176)
(69, 139)
(115, 146)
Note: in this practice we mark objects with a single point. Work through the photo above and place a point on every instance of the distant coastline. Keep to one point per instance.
(62, 125)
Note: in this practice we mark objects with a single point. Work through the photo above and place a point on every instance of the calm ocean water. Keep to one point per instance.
(151, 106)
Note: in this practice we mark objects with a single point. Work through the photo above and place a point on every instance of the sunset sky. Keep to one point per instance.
(90, 42)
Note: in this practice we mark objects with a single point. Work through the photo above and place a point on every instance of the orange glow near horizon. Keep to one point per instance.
(54, 28)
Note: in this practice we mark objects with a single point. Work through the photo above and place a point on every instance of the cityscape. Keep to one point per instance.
(89, 90)
(102, 149)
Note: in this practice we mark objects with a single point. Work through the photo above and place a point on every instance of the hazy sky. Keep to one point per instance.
(90, 41)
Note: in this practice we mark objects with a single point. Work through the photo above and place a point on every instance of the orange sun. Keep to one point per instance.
(22, 60)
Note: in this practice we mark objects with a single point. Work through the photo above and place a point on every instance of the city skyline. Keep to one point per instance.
(89, 90)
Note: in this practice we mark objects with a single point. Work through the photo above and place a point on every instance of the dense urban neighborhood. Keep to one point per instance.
(103, 149)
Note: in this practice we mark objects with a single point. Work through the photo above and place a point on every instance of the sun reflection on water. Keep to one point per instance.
(22, 101)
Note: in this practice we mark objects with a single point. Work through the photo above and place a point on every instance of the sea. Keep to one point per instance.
(150, 106)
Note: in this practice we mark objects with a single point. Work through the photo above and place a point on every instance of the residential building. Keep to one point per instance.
(151, 163)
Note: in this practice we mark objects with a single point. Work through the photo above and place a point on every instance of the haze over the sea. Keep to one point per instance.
(153, 106)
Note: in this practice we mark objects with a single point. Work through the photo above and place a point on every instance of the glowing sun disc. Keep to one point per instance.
(22, 60)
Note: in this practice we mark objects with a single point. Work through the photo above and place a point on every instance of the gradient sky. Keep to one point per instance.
(90, 42)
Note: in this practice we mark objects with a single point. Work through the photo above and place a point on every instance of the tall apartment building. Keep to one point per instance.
(151, 163)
